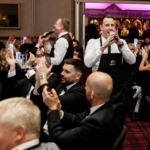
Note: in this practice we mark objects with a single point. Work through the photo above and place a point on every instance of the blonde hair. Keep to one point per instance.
(3, 63)
(65, 22)
(19, 111)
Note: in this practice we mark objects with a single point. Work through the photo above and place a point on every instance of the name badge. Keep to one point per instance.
(112, 63)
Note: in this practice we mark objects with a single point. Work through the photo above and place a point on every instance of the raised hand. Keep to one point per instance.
(30, 61)
(144, 54)
(46, 38)
(42, 69)
(10, 59)
(51, 99)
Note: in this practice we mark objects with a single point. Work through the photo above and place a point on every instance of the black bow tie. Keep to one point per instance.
(88, 112)
(64, 88)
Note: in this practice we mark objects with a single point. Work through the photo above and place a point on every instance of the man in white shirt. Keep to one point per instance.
(111, 54)
(62, 47)
(20, 126)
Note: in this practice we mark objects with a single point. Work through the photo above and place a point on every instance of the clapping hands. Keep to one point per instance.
(51, 99)
(43, 69)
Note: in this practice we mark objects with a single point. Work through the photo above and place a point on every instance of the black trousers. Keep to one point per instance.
(118, 97)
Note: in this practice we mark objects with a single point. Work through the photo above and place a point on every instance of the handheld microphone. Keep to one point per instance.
(50, 32)
(115, 37)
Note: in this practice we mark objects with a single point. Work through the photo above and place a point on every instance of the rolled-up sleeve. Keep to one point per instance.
(92, 53)
(129, 57)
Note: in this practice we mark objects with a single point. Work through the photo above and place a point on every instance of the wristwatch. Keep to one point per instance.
(42, 76)
(120, 45)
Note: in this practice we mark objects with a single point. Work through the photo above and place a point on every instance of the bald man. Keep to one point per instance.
(95, 129)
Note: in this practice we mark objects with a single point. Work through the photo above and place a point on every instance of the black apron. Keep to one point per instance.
(112, 64)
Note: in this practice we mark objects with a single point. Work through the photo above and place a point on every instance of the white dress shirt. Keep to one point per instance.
(93, 109)
(60, 48)
(93, 53)
(27, 145)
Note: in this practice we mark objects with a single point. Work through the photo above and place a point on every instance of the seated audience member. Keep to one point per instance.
(146, 42)
(145, 66)
(144, 73)
(94, 129)
(3, 51)
(20, 126)
(35, 39)
(27, 45)
(134, 100)
(75, 42)
(78, 52)
(24, 86)
(12, 40)
(135, 50)
(71, 91)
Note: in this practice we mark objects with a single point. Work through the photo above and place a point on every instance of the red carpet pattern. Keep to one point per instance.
(137, 136)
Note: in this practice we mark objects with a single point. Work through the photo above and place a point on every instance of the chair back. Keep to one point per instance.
(120, 139)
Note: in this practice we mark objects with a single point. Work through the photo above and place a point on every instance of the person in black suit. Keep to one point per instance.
(24, 86)
(94, 129)
(71, 91)
(20, 126)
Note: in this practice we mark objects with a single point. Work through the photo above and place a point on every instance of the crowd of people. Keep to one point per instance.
(49, 102)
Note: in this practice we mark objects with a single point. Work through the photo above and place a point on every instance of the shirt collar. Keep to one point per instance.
(103, 38)
(93, 109)
(69, 86)
(61, 34)
(26, 145)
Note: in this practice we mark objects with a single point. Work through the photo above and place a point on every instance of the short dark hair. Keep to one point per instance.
(79, 49)
(74, 40)
(107, 16)
(78, 64)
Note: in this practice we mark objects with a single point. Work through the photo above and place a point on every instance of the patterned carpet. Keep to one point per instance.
(137, 136)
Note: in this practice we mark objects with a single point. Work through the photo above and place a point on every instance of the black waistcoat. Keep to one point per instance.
(69, 54)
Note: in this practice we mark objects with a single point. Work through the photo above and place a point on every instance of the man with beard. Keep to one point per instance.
(94, 129)
(71, 91)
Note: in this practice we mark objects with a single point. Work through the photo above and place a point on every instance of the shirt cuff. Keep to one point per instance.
(48, 48)
(11, 74)
(62, 115)
(37, 45)
(30, 73)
